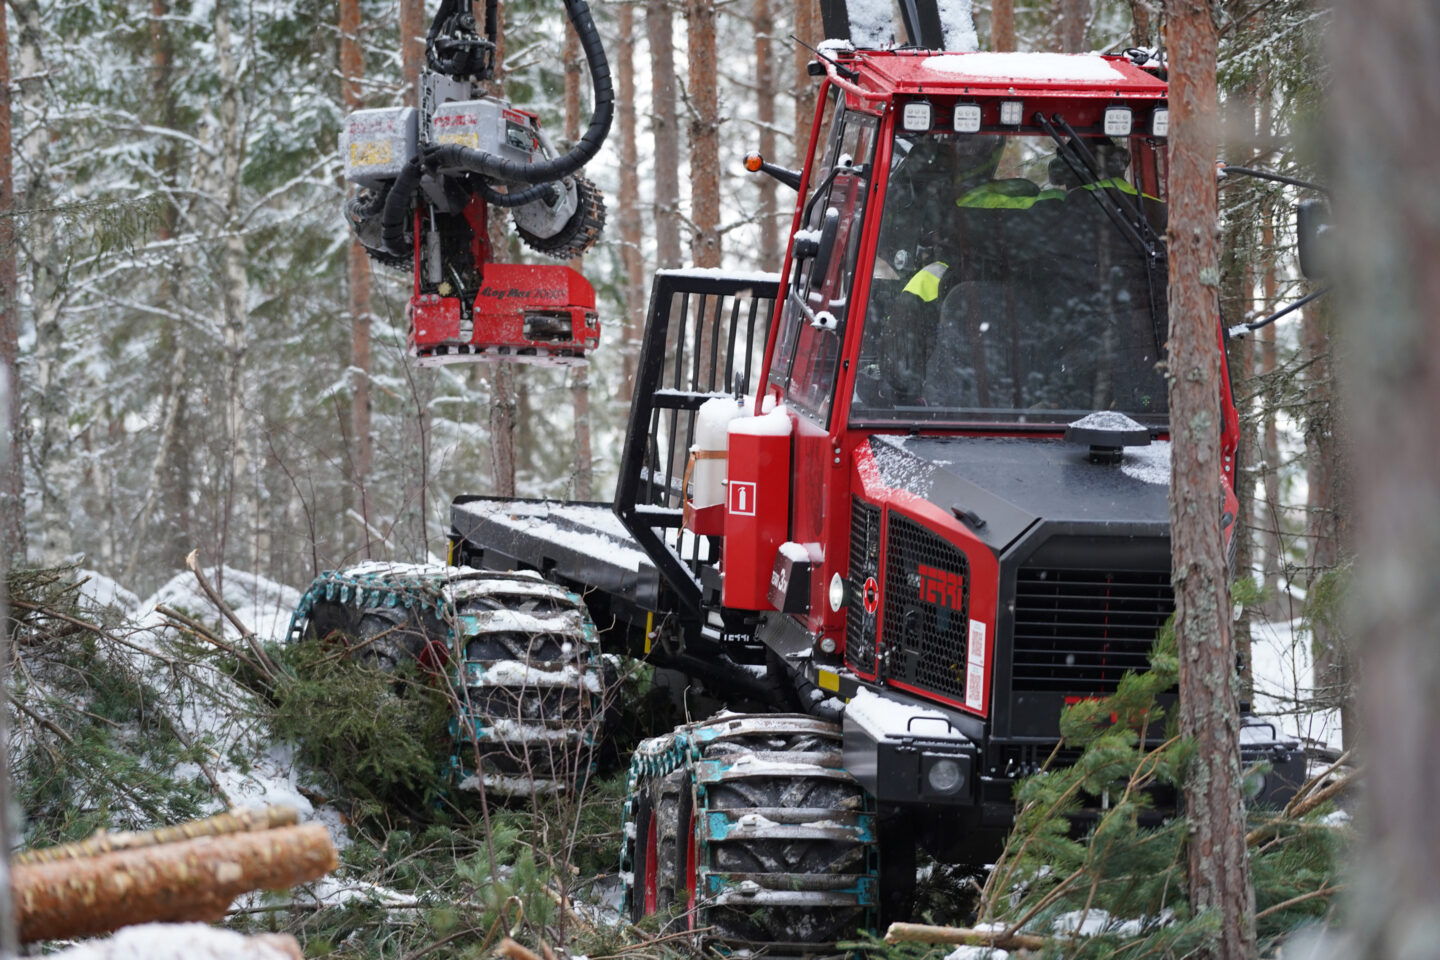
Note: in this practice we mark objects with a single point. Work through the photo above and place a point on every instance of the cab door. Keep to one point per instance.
(817, 308)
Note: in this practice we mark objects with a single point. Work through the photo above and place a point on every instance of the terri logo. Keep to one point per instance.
(942, 587)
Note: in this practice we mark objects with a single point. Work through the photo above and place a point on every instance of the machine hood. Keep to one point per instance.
(1010, 484)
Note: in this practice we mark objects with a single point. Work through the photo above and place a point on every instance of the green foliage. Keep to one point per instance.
(94, 743)
(1089, 842)
(379, 735)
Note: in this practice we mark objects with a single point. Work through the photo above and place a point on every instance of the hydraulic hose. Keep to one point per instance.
(556, 168)
(397, 209)
(541, 191)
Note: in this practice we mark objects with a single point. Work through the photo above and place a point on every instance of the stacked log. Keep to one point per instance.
(190, 872)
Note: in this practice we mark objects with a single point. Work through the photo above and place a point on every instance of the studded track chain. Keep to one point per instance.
(520, 653)
(580, 232)
(784, 838)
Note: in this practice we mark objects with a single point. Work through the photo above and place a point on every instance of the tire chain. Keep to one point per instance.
(527, 684)
(813, 878)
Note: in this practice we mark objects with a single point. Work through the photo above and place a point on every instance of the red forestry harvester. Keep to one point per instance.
(898, 504)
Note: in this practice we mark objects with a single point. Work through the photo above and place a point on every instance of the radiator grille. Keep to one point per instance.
(927, 600)
(1079, 631)
(864, 563)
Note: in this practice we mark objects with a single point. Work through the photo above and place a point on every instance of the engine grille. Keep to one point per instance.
(1079, 631)
(927, 601)
(864, 563)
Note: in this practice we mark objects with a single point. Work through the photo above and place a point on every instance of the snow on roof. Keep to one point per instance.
(1061, 67)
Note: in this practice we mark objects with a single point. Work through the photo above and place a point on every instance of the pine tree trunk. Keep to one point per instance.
(804, 84)
(1219, 869)
(1142, 15)
(1002, 26)
(1272, 541)
(1327, 525)
(582, 473)
(12, 468)
(767, 212)
(1236, 306)
(52, 446)
(704, 135)
(632, 261)
(664, 127)
(352, 70)
(412, 47)
(1389, 241)
(1071, 25)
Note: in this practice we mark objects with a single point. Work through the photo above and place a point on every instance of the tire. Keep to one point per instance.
(759, 838)
(529, 687)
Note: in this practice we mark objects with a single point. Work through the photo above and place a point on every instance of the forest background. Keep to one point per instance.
(204, 359)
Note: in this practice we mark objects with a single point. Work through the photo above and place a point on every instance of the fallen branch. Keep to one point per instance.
(1297, 810)
(193, 562)
(193, 880)
(925, 933)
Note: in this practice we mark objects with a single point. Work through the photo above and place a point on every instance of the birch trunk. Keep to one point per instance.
(12, 470)
(40, 241)
(1218, 868)
(240, 508)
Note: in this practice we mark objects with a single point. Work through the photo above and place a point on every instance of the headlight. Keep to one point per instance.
(837, 593)
(945, 776)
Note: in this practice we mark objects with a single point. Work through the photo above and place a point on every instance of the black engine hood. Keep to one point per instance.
(1013, 483)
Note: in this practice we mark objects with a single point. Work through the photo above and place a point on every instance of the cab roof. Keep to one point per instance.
(1035, 74)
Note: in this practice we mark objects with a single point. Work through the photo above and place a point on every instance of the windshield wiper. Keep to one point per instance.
(1129, 218)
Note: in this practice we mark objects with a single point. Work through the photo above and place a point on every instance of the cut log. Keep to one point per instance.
(235, 821)
(925, 933)
(194, 880)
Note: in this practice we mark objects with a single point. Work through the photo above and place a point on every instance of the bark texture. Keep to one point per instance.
(766, 212)
(704, 136)
(1388, 289)
(1218, 867)
(1002, 26)
(1071, 25)
(174, 882)
(664, 128)
(41, 246)
(632, 261)
(412, 47)
(352, 70)
(12, 472)
(806, 28)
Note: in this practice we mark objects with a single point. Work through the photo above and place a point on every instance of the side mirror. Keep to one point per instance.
(820, 246)
(1312, 228)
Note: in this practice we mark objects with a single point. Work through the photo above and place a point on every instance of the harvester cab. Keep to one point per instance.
(428, 177)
